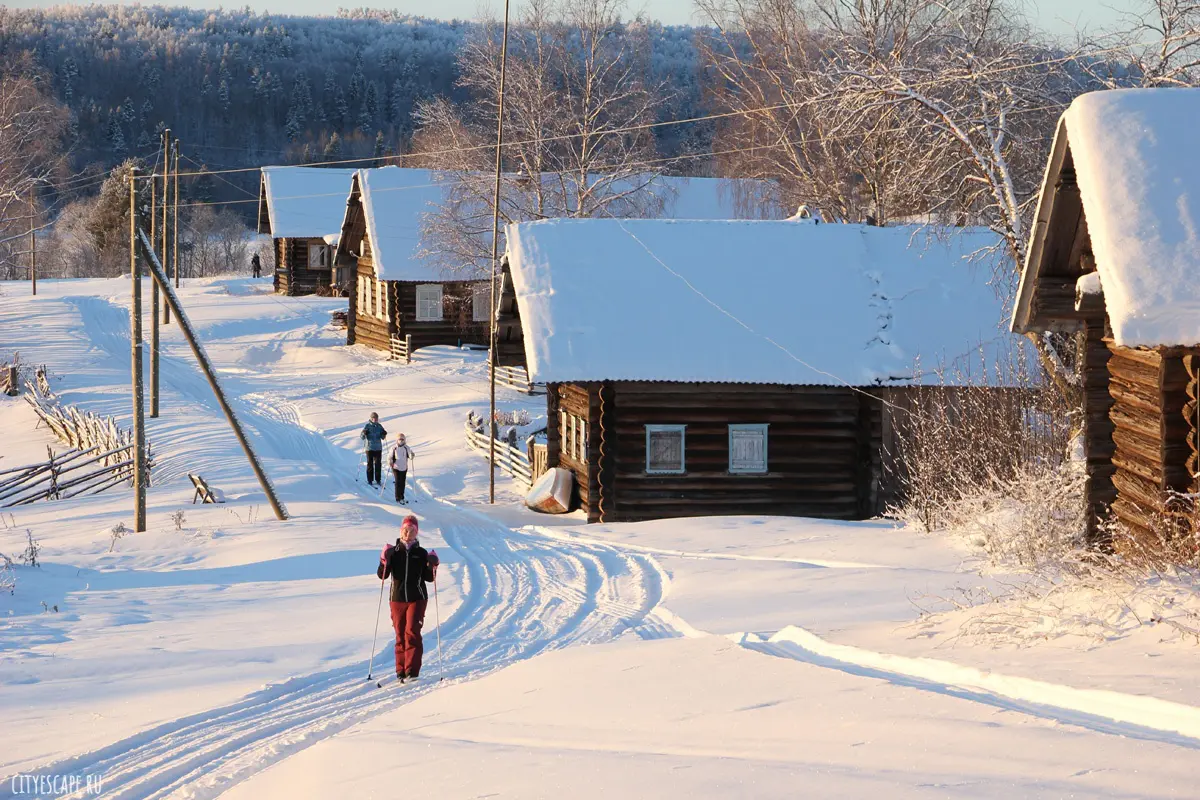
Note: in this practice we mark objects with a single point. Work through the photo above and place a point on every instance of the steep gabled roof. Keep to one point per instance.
(302, 202)
(394, 201)
(1132, 155)
(782, 302)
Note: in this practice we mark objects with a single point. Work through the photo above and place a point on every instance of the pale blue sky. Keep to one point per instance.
(1060, 17)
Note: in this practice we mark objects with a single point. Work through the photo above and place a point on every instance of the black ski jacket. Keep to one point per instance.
(409, 569)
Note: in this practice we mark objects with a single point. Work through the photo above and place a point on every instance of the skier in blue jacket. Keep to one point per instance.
(374, 435)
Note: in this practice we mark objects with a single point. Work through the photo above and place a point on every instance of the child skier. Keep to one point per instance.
(398, 461)
(374, 435)
(410, 567)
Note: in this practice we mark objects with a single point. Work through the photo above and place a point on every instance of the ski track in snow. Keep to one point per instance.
(524, 593)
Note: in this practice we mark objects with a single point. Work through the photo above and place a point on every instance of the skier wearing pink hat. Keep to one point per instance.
(410, 567)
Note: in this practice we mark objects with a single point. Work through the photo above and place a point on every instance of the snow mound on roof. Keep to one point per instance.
(306, 202)
(1139, 177)
(395, 200)
(748, 301)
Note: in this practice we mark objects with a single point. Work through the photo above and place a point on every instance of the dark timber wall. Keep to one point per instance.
(292, 275)
(1150, 433)
(362, 326)
(823, 449)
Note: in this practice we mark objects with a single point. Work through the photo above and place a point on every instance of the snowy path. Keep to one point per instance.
(524, 594)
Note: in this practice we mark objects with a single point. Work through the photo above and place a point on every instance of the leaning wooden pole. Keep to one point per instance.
(153, 308)
(492, 321)
(135, 339)
(32, 240)
(175, 224)
(185, 326)
(166, 186)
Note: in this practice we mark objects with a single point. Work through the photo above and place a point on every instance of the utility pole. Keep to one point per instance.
(153, 308)
(135, 339)
(32, 240)
(159, 274)
(175, 226)
(166, 187)
(492, 321)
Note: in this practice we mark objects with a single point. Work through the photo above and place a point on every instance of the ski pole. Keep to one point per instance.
(437, 610)
(375, 638)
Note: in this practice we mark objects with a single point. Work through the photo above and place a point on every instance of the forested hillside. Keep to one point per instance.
(240, 88)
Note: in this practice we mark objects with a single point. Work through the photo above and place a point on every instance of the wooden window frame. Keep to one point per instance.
(481, 291)
(441, 302)
(324, 258)
(758, 427)
(381, 304)
(682, 431)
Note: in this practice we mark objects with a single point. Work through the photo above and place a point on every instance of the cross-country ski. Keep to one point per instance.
(762, 400)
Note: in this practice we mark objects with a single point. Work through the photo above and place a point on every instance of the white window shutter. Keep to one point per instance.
(747, 448)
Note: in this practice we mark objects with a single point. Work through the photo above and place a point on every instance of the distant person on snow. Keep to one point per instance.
(374, 435)
(256, 266)
(410, 567)
(398, 461)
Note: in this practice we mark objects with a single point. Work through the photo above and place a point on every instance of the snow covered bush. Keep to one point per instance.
(989, 455)
(32, 548)
(8, 575)
(115, 535)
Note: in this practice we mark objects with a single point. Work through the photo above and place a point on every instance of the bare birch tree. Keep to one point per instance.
(1156, 45)
(577, 92)
(32, 125)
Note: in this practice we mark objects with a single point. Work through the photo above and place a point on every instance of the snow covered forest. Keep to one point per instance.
(832, 104)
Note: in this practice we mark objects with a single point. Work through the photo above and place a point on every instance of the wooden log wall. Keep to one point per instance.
(1099, 490)
(576, 399)
(456, 325)
(822, 451)
(292, 274)
(367, 328)
(1150, 433)
(1191, 415)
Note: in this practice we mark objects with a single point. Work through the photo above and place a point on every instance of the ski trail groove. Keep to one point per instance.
(524, 594)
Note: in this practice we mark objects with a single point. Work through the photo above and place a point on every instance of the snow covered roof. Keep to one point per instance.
(748, 301)
(303, 202)
(394, 200)
(1137, 169)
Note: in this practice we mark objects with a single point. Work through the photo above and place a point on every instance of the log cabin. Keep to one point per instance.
(738, 367)
(1114, 260)
(299, 207)
(399, 301)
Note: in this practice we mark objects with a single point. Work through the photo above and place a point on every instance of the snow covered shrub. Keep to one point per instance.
(8, 575)
(179, 518)
(32, 548)
(116, 533)
(988, 453)
(518, 418)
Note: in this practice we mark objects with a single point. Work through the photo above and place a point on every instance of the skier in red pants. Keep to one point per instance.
(410, 567)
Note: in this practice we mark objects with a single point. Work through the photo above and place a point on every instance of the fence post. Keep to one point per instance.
(408, 348)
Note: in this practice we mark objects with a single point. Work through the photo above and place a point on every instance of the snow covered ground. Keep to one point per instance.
(228, 658)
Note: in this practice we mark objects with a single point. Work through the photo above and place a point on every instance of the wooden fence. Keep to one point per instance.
(509, 458)
(402, 348)
(518, 378)
(99, 454)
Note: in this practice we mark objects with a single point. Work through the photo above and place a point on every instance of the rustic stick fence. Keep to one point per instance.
(99, 454)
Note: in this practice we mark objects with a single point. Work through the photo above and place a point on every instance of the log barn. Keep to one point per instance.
(737, 367)
(1114, 259)
(400, 302)
(301, 208)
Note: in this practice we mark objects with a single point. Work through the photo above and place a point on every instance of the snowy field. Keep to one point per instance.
(746, 657)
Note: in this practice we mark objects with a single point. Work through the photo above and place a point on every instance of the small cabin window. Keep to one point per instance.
(665, 449)
(429, 302)
(381, 307)
(363, 289)
(572, 433)
(317, 256)
(747, 449)
(481, 297)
